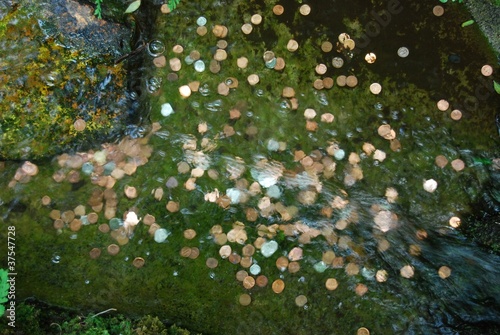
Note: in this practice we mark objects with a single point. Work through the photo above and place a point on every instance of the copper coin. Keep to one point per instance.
(341, 80)
(75, 225)
(301, 300)
(138, 262)
(95, 253)
(211, 263)
(441, 161)
(444, 272)
(195, 252)
(327, 82)
(278, 10)
(282, 263)
(104, 228)
(113, 249)
(234, 258)
(261, 281)
(363, 331)
(245, 299)
(189, 234)
(185, 251)
(331, 284)
(326, 46)
(225, 251)
(293, 267)
(457, 164)
(241, 275)
(246, 261)
(248, 282)
(278, 286)
(248, 250)
(58, 224)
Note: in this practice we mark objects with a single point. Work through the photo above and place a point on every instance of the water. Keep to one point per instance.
(323, 202)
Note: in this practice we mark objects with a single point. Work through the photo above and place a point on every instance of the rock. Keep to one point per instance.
(77, 27)
(487, 16)
(37, 78)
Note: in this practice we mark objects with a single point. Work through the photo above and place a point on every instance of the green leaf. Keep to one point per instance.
(133, 6)
(467, 23)
(172, 4)
(496, 86)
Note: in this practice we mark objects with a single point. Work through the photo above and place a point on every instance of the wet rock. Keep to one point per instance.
(58, 68)
(487, 15)
(76, 26)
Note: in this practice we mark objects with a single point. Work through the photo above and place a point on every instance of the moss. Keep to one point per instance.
(36, 318)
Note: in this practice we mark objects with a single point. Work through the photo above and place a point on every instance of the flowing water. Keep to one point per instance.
(251, 165)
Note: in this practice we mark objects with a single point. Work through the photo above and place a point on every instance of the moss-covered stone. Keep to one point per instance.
(48, 83)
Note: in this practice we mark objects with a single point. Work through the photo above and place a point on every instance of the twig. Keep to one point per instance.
(137, 50)
(108, 310)
(58, 325)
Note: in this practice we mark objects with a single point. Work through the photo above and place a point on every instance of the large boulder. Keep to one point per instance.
(59, 85)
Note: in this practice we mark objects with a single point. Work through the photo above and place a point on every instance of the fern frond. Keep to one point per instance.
(172, 4)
